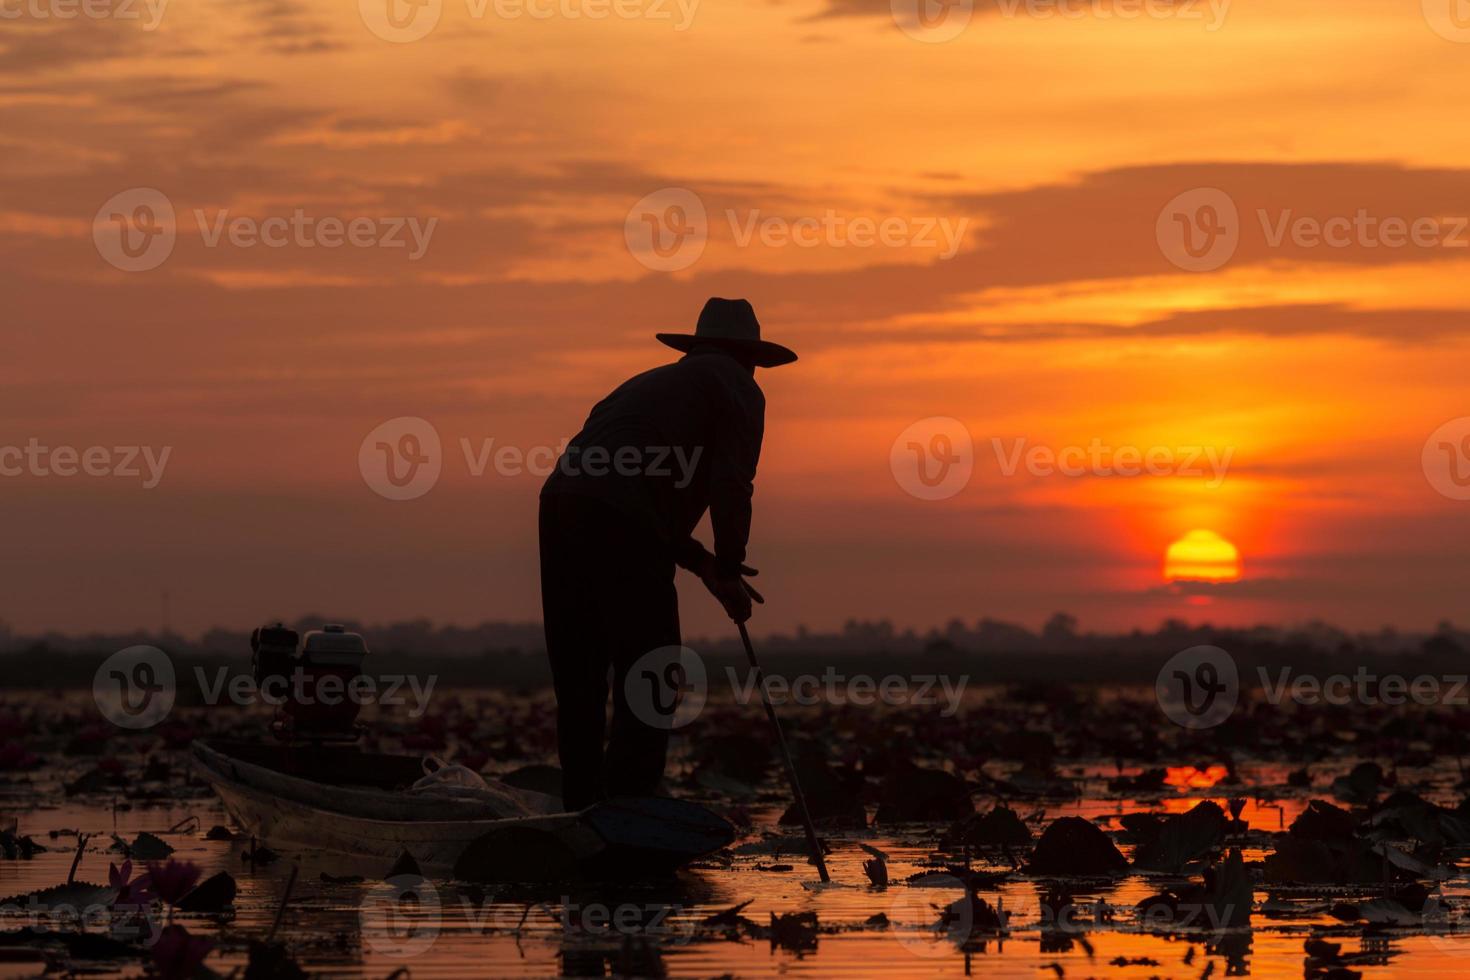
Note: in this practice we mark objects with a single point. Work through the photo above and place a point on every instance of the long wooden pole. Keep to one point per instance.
(806, 817)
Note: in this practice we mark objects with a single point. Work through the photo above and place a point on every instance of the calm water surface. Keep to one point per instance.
(346, 929)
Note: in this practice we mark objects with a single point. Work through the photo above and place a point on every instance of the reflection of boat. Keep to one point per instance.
(337, 798)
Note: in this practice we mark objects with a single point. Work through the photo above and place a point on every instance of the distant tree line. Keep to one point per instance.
(505, 654)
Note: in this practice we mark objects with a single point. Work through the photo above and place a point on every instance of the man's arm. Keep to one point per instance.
(732, 474)
(733, 592)
(693, 556)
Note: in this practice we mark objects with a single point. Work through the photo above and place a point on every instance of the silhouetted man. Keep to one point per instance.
(618, 514)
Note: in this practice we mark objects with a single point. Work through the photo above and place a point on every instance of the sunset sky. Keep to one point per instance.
(1065, 316)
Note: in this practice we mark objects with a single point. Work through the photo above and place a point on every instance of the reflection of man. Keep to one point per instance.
(618, 513)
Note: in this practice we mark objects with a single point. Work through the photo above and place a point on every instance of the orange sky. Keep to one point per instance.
(1055, 143)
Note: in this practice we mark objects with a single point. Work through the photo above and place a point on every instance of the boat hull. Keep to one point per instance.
(280, 803)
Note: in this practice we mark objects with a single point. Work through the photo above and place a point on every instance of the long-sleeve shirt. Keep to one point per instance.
(668, 445)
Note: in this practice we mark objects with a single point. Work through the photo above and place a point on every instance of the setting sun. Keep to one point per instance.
(1202, 556)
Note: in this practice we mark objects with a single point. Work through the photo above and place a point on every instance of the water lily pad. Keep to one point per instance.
(1074, 846)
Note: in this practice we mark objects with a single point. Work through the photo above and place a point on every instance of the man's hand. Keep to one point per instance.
(733, 592)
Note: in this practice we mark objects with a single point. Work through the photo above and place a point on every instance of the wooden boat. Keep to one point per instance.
(337, 798)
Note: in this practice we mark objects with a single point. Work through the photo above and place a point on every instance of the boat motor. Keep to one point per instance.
(310, 679)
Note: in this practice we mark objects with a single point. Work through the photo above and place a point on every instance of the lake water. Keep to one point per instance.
(345, 928)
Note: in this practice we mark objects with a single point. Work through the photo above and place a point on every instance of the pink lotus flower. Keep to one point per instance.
(178, 955)
(174, 880)
(134, 893)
